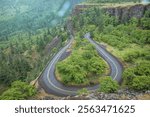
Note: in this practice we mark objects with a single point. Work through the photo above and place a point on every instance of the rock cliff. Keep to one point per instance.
(124, 13)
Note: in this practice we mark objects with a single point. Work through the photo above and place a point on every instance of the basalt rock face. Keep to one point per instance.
(126, 13)
(122, 94)
(123, 13)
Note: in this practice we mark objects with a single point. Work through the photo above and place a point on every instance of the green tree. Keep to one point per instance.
(18, 91)
(128, 76)
(108, 85)
(138, 77)
(141, 83)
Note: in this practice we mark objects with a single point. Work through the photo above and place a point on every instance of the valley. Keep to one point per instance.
(108, 41)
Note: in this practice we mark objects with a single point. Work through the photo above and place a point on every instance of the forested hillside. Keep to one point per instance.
(30, 34)
(20, 16)
(129, 41)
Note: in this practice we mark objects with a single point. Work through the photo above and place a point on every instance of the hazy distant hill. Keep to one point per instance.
(30, 15)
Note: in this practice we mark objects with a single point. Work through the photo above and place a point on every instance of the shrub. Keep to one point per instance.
(138, 77)
(18, 91)
(132, 55)
(83, 91)
(107, 85)
(143, 69)
(141, 83)
(145, 22)
(128, 76)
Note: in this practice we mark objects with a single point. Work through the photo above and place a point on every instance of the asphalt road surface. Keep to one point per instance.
(49, 83)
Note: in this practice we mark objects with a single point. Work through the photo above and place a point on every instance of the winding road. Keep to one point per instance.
(49, 83)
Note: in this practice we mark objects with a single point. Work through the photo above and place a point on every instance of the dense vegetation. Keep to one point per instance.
(138, 77)
(26, 16)
(22, 61)
(83, 66)
(108, 85)
(130, 41)
(29, 37)
(18, 91)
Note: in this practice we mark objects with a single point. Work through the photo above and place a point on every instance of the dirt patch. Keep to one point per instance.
(144, 97)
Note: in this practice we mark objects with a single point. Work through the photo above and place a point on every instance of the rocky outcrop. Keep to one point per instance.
(120, 95)
(124, 13)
